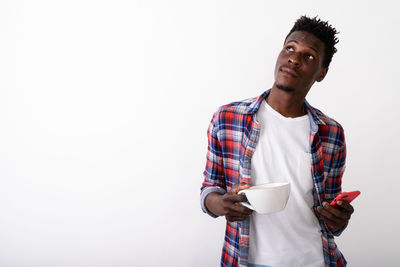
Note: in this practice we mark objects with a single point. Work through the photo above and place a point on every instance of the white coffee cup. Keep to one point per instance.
(266, 198)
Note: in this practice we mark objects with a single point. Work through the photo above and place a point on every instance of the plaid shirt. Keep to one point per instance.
(232, 137)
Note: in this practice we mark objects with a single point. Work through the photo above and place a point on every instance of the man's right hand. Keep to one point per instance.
(228, 204)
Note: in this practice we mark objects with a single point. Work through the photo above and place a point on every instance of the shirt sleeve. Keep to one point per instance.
(335, 174)
(214, 180)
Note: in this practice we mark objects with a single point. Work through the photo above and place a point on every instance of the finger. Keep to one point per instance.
(237, 216)
(346, 206)
(332, 225)
(234, 213)
(331, 220)
(237, 187)
(239, 209)
(338, 212)
(234, 198)
(326, 214)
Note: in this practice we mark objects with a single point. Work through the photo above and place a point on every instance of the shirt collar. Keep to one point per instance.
(313, 114)
(253, 107)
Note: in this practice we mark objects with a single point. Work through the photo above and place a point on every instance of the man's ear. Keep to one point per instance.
(322, 74)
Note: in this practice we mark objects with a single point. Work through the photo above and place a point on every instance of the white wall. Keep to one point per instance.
(104, 108)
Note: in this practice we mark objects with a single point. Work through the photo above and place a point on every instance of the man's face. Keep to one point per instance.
(299, 64)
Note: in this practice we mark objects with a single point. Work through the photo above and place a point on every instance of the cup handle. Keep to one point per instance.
(246, 204)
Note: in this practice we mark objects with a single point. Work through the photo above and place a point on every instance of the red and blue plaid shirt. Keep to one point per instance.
(232, 137)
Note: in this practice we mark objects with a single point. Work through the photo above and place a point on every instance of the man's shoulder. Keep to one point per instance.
(243, 107)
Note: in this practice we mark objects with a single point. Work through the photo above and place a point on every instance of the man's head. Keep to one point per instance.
(320, 29)
(305, 57)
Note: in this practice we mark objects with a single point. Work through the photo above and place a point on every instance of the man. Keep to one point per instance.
(279, 137)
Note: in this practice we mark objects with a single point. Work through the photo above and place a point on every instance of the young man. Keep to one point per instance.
(279, 137)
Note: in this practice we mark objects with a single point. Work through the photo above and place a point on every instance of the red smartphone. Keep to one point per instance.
(346, 196)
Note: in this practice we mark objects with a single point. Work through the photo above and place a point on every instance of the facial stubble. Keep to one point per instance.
(285, 88)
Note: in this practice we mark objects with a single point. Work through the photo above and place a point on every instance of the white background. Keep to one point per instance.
(104, 108)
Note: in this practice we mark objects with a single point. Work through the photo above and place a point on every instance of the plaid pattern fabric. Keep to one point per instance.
(232, 137)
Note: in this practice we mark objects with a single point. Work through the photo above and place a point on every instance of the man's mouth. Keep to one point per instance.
(288, 71)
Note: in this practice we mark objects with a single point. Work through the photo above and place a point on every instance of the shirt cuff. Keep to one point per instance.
(204, 193)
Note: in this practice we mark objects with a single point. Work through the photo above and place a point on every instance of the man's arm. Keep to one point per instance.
(336, 219)
(213, 198)
(214, 178)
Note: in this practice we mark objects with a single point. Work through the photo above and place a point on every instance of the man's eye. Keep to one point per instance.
(310, 57)
(289, 48)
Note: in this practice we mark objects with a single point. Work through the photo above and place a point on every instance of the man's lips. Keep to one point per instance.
(289, 71)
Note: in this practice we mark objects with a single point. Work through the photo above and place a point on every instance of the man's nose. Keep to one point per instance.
(295, 60)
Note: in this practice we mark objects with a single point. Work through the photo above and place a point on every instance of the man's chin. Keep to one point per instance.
(285, 88)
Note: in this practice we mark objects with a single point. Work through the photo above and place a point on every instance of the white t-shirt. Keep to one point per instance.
(291, 237)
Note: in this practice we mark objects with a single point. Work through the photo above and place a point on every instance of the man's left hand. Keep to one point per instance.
(335, 217)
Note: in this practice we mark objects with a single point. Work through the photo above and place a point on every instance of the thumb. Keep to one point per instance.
(238, 187)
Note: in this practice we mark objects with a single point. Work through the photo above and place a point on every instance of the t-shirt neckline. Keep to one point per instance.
(280, 116)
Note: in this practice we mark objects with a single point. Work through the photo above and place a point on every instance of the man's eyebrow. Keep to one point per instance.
(294, 41)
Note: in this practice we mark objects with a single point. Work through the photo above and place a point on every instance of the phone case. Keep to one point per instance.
(347, 196)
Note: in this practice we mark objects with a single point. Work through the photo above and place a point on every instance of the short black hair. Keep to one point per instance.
(320, 29)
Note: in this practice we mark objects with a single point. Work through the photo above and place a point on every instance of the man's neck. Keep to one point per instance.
(288, 104)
